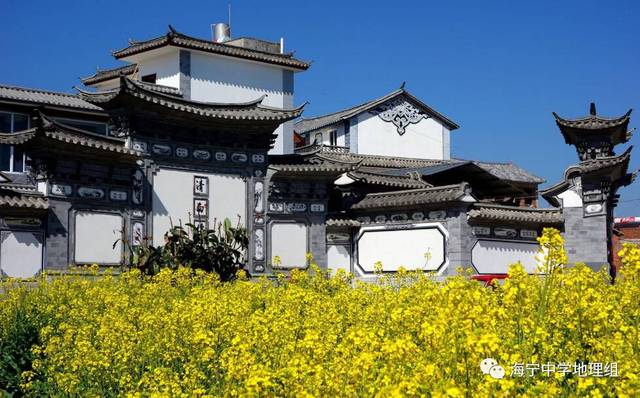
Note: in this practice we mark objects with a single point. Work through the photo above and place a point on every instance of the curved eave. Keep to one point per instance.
(592, 122)
(415, 197)
(486, 213)
(173, 38)
(571, 129)
(109, 74)
(388, 181)
(549, 194)
(310, 170)
(251, 111)
(76, 138)
(30, 202)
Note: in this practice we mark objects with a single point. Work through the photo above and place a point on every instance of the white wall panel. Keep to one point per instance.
(228, 198)
(289, 242)
(173, 199)
(495, 257)
(403, 247)
(21, 253)
(166, 66)
(339, 257)
(95, 234)
(425, 139)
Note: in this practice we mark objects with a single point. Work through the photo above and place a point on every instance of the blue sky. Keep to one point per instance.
(497, 68)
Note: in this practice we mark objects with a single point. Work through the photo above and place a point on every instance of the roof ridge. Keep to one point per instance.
(38, 90)
(515, 208)
(102, 75)
(398, 91)
(593, 117)
(461, 185)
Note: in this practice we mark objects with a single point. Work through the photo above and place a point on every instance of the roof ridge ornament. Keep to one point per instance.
(400, 112)
(592, 109)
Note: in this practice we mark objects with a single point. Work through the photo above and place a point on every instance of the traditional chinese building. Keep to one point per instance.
(588, 192)
(201, 130)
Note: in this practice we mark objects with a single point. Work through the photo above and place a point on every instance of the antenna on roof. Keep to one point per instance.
(229, 6)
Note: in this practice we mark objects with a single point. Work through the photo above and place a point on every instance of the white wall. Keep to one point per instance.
(426, 139)
(401, 248)
(173, 199)
(339, 257)
(570, 198)
(21, 253)
(326, 134)
(222, 79)
(95, 235)
(166, 66)
(289, 242)
(495, 257)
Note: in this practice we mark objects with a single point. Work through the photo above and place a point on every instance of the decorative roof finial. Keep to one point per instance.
(402, 85)
(172, 30)
(592, 109)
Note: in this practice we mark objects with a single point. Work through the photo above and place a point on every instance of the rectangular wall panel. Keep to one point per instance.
(289, 242)
(173, 199)
(339, 257)
(21, 253)
(95, 235)
(418, 248)
(495, 257)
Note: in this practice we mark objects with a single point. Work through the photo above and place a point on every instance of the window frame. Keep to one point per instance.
(63, 120)
(333, 137)
(12, 147)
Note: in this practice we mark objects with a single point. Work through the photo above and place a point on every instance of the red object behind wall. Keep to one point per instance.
(486, 279)
(627, 230)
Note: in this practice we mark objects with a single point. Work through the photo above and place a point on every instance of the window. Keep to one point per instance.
(12, 159)
(92, 127)
(333, 137)
(149, 78)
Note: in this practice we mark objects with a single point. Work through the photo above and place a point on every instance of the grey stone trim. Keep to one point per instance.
(586, 238)
(39, 233)
(57, 239)
(446, 143)
(461, 240)
(353, 135)
(287, 81)
(94, 209)
(185, 73)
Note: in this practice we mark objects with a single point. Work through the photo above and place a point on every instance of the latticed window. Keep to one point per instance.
(12, 159)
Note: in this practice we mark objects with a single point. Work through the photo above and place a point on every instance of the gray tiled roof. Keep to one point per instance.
(305, 125)
(327, 168)
(18, 182)
(593, 122)
(575, 130)
(400, 166)
(24, 201)
(409, 180)
(504, 171)
(177, 39)
(253, 110)
(377, 160)
(490, 212)
(342, 222)
(607, 164)
(108, 74)
(442, 194)
(52, 130)
(41, 97)
(509, 172)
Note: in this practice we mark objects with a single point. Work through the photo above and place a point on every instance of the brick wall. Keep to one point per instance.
(630, 234)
